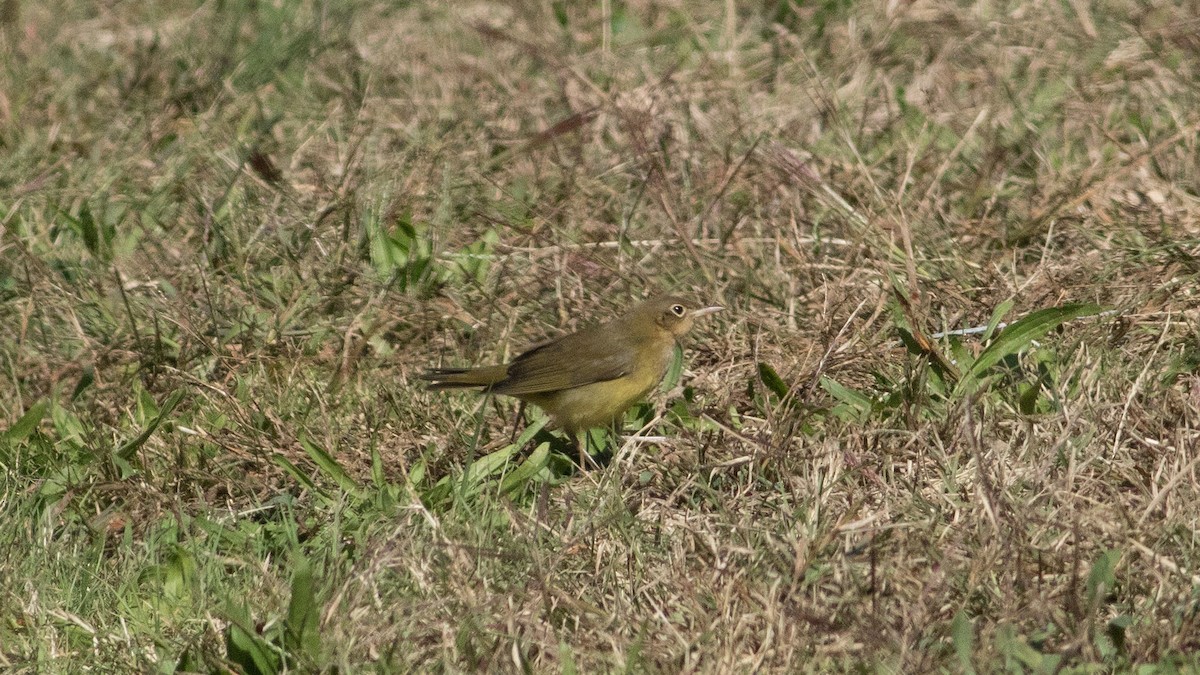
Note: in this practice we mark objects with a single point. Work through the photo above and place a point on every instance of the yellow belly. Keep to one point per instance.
(596, 404)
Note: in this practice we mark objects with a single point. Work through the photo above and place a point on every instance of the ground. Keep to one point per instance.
(949, 420)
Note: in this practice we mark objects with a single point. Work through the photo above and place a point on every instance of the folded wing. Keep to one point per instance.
(566, 363)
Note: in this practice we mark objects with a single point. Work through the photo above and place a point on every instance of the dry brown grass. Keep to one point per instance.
(814, 168)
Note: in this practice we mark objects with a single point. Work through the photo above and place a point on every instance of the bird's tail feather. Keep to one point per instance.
(464, 378)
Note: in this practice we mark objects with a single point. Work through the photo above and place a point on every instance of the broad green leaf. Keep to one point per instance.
(1017, 337)
(86, 379)
(178, 575)
(301, 477)
(1116, 632)
(962, 634)
(1020, 655)
(301, 633)
(529, 468)
(247, 649)
(330, 466)
(1102, 576)
(997, 315)
(22, 428)
(771, 379)
(377, 475)
(416, 473)
(531, 431)
(674, 370)
(438, 493)
(250, 652)
(846, 395)
(130, 447)
(566, 659)
(489, 464)
(147, 407)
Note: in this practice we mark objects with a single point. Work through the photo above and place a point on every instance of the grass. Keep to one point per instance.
(234, 232)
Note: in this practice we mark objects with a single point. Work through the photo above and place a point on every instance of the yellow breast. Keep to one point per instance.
(598, 404)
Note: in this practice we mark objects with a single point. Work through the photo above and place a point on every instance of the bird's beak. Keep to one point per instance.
(707, 310)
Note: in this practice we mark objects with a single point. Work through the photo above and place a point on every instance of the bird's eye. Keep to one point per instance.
(677, 310)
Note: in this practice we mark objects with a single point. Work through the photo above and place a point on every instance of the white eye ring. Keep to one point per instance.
(677, 310)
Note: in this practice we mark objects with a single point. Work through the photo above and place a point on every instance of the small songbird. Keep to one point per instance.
(587, 379)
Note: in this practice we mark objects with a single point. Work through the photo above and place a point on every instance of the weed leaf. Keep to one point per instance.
(127, 450)
(1017, 337)
(301, 633)
(25, 426)
(772, 380)
(330, 466)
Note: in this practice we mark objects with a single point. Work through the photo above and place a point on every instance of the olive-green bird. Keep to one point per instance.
(587, 379)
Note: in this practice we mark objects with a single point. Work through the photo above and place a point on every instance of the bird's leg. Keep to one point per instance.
(516, 420)
(583, 449)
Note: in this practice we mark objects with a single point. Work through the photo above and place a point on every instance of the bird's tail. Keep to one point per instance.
(465, 378)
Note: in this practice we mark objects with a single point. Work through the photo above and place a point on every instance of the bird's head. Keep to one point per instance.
(670, 313)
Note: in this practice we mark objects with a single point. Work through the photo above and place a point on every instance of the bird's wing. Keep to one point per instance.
(564, 364)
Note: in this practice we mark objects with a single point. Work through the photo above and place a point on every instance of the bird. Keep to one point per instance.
(587, 379)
